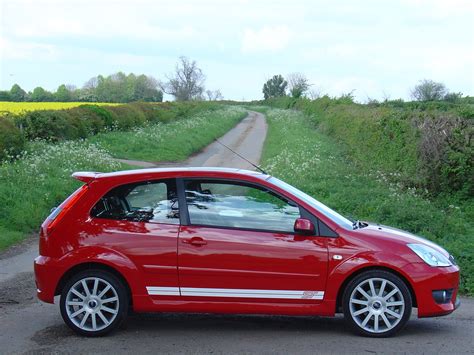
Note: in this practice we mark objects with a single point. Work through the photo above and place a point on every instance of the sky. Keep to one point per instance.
(375, 49)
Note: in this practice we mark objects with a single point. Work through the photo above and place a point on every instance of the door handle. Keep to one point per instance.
(197, 241)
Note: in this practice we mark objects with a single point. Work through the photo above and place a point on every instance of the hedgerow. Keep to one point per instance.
(427, 146)
(86, 120)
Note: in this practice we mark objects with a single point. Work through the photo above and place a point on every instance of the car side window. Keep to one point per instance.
(150, 201)
(239, 205)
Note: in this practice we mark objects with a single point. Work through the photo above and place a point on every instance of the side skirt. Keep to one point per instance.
(185, 305)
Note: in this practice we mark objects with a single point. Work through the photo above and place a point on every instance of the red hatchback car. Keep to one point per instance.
(230, 241)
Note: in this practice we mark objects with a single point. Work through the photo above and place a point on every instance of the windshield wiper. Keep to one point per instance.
(355, 224)
(358, 224)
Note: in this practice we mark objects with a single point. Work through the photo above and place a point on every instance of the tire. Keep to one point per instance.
(381, 313)
(85, 311)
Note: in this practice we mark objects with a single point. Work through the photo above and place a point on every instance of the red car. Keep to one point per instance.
(230, 241)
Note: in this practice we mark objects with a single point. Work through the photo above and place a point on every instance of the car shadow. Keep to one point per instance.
(191, 322)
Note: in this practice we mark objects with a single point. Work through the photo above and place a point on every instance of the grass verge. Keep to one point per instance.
(173, 141)
(41, 177)
(298, 153)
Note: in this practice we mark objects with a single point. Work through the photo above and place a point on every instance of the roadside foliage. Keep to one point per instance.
(38, 176)
(427, 146)
(86, 120)
(299, 151)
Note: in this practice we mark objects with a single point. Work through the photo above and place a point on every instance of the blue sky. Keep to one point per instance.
(377, 48)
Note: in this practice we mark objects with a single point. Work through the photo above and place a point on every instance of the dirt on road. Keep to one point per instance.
(29, 326)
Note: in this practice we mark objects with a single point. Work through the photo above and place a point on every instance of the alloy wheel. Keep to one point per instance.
(92, 304)
(376, 305)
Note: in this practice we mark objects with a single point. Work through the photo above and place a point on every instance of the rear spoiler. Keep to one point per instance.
(85, 176)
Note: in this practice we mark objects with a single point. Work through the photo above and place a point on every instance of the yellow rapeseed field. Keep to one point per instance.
(18, 107)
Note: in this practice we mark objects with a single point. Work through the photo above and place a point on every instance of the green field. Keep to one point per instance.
(19, 107)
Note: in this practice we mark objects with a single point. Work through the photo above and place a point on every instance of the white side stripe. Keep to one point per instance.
(163, 291)
(229, 292)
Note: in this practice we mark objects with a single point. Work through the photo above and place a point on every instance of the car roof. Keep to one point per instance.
(87, 176)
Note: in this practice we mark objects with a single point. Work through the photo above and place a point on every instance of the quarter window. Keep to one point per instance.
(150, 201)
(239, 205)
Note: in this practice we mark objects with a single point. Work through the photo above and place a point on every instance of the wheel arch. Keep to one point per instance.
(357, 272)
(92, 266)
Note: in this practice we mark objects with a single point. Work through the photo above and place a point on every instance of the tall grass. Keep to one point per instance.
(298, 153)
(31, 185)
(40, 177)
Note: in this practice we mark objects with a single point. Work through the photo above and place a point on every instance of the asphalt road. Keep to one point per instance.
(29, 326)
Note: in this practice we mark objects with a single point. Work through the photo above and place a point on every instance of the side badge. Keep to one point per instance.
(337, 257)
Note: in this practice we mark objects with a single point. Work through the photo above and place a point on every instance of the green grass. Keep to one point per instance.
(173, 141)
(295, 151)
(41, 177)
(33, 184)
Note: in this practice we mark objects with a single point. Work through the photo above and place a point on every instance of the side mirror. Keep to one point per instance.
(304, 226)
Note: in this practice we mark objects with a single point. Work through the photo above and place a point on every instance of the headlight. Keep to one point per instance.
(429, 255)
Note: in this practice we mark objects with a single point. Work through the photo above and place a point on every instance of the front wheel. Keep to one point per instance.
(377, 303)
(94, 302)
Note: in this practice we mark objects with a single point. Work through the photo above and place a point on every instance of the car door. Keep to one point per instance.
(141, 221)
(238, 242)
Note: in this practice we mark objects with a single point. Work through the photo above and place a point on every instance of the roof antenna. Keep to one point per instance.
(240, 156)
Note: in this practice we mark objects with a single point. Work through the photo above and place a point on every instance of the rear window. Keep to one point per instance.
(150, 201)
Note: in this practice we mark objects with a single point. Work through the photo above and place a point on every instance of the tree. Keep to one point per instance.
(298, 85)
(274, 87)
(17, 93)
(453, 97)
(187, 81)
(214, 95)
(5, 95)
(41, 95)
(145, 88)
(429, 90)
(62, 94)
(120, 87)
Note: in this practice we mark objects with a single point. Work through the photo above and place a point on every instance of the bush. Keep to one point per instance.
(12, 141)
(51, 125)
(100, 112)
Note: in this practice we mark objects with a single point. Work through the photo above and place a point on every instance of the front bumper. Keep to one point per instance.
(440, 278)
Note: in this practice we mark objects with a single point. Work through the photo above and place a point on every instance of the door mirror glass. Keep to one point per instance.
(304, 226)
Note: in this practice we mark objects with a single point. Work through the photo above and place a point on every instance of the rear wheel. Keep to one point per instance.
(94, 302)
(377, 303)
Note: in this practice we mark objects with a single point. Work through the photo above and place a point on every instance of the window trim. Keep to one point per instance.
(186, 221)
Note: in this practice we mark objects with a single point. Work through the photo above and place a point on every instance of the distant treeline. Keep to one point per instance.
(117, 87)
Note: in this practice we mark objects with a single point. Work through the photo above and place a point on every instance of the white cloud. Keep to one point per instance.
(27, 50)
(370, 46)
(91, 19)
(267, 39)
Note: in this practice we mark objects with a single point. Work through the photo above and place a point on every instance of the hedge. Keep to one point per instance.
(428, 146)
(12, 140)
(85, 120)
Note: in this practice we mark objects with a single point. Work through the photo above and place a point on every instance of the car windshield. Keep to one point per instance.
(325, 210)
